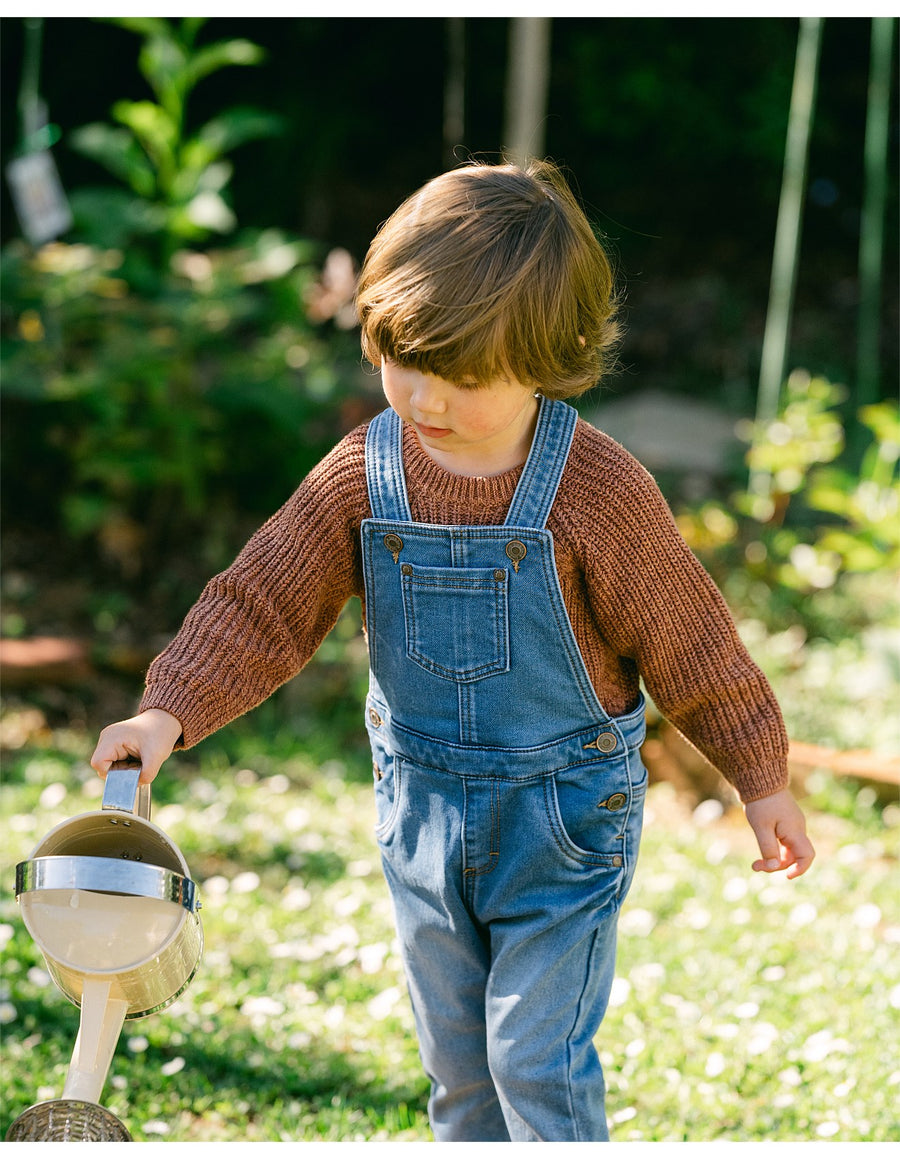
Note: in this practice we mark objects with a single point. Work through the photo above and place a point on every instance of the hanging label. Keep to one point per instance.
(38, 197)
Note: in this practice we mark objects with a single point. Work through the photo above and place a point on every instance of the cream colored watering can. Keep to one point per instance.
(109, 901)
(108, 898)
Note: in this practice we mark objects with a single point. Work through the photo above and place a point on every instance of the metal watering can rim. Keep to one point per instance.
(106, 875)
(122, 793)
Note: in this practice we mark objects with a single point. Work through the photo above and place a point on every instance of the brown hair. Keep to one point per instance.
(491, 271)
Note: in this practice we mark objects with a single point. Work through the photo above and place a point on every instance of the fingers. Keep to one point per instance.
(780, 829)
(796, 852)
(770, 847)
(804, 855)
(147, 738)
(112, 747)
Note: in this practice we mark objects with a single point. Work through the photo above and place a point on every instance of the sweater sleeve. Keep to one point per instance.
(659, 607)
(257, 623)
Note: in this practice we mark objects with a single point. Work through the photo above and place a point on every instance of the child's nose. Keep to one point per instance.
(428, 397)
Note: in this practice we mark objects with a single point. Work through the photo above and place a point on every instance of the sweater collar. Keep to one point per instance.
(428, 482)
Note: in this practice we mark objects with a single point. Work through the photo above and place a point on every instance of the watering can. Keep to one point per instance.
(108, 899)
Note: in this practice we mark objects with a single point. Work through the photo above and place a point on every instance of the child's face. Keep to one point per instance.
(467, 430)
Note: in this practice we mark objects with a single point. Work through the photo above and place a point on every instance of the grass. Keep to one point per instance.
(745, 1007)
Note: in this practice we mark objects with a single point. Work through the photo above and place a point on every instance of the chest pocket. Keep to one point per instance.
(457, 620)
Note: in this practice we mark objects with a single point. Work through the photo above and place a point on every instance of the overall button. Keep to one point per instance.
(606, 742)
(516, 550)
(406, 569)
(375, 719)
(617, 861)
(394, 544)
(614, 803)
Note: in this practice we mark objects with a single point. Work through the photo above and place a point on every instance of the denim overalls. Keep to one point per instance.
(509, 803)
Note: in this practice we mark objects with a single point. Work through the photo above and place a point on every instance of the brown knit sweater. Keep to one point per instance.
(640, 603)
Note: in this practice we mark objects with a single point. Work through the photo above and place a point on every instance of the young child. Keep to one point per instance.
(519, 572)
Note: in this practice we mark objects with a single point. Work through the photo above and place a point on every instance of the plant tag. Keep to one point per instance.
(38, 197)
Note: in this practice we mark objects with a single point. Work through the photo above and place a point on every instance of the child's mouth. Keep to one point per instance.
(432, 432)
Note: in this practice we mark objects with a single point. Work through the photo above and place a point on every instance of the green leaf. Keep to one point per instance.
(236, 126)
(163, 61)
(190, 26)
(141, 25)
(857, 553)
(113, 217)
(117, 150)
(883, 420)
(221, 55)
(152, 126)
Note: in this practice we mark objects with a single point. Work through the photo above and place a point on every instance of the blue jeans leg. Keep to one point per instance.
(545, 1003)
(446, 963)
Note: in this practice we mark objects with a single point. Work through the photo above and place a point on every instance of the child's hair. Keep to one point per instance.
(491, 271)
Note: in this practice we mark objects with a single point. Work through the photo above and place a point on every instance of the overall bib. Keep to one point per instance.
(509, 803)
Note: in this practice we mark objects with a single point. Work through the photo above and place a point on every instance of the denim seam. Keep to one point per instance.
(466, 709)
(569, 1059)
(562, 840)
(493, 854)
(484, 776)
(382, 832)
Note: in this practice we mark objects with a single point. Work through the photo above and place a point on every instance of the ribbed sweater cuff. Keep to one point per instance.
(186, 705)
(762, 780)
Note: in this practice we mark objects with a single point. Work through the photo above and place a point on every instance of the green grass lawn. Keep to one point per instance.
(745, 1007)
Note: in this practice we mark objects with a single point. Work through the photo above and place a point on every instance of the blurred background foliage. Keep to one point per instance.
(178, 358)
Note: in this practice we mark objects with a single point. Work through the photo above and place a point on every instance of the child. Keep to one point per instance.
(519, 573)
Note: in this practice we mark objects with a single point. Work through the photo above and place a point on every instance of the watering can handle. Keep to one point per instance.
(123, 792)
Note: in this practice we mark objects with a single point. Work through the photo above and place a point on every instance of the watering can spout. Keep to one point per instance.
(102, 1018)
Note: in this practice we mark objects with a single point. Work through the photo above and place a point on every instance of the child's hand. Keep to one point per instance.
(780, 829)
(148, 737)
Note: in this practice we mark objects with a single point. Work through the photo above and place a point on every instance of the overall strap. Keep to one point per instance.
(384, 468)
(544, 466)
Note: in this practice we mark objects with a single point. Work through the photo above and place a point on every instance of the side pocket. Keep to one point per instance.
(588, 808)
(388, 780)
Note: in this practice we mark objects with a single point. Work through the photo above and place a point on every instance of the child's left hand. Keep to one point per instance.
(780, 829)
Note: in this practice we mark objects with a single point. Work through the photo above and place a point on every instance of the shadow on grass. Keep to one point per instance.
(224, 1072)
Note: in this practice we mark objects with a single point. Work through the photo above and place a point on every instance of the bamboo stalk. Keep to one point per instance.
(526, 90)
(871, 236)
(787, 232)
(454, 88)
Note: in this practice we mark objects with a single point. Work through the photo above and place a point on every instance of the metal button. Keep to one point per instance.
(605, 742)
(406, 569)
(499, 574)
(516, 550)
(616, 802)
(374, 718)
(617, 861)
(394, 544)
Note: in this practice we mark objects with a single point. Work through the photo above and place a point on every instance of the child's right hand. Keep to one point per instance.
(148, 737)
